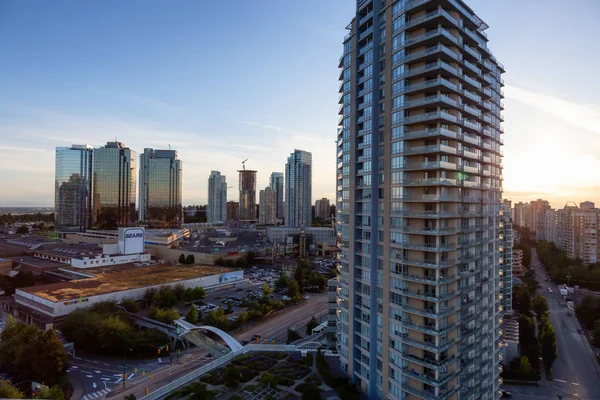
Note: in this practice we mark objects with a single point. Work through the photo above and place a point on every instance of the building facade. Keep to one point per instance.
(547, 224)
(73, 188)
(521, 211)
(247, 187)
(233, 211)
(160, 189)
(267, 209)
(579, 232)
(506, 249)
(322, 208)
(298, 189)
(419, 193)
(276, 182)
(216, 210)
(114, 186)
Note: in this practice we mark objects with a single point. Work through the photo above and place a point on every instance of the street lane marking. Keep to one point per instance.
(98, 372)
(560, 380)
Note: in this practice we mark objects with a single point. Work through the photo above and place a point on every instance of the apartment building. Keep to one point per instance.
(418, 200)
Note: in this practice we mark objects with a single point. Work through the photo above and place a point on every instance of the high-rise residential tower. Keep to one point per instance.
(216, 210)
(247, 187)
(267, 206)
(419, 185)
(73, 188)
(298, 189)
(160, 189)
(114, 186)
(322, 208)
(276, 183)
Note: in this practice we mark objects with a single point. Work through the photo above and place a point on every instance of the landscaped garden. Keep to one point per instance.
(264, 375)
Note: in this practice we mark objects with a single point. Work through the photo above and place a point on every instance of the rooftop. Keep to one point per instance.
(120, 278)
(37, 262)
(72, 250)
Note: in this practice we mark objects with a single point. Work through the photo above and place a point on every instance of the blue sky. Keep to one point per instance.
(225, 81)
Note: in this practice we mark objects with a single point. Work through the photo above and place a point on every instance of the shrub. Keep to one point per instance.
(130, 305)
(285, 381)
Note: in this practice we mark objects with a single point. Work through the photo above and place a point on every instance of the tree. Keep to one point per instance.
(548, 341)
(217, 318)
(199, 293)
(525, 368)
(130, 397)
(311, 393)
(179, 291)
(193, 391)
(149, 296)
(539, 305)
(293, 290)
(266, 290)
(53, 393)
(282, 282)
(292, 335)
(587, 311)
(166, 316)
(182, 259)
(269, 380)
(231, 376)
(313, 323)
(7, 391)
(527, 339)
(35, 354)
(130, 305)
(165, 297)
(190, 259)
(22, 229)
(192, 315)
(521, 299)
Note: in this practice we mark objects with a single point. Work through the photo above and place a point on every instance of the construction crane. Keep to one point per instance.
(244, 164)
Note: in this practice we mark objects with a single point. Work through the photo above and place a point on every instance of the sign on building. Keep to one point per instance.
(132, 240)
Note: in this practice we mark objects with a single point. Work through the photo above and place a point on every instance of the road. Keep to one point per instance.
(575, 371)
(273, 327)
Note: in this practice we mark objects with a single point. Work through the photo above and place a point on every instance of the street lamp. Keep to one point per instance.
(125, 366)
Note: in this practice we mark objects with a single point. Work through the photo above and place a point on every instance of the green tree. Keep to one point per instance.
(130, 397)
(190, 259)
(51, 393)
(130, 305)
(539, 305)
(313, 323)
(269, 380)
(521, 299)
(525, 368)
(179, 291)
(7, 391)
(282, 282)
(232, 376)
(22, 230)
(311, 393)
(149, 296)
(166, 316)
(587, 311)
(527, 339)
(217, 318)
(266, 290)
(199, 293)
(165, 297)
(294, 290)
(37, 355)
(182, 259)
(193, 391)
(548, 341)
(192, 315)
(292, 335)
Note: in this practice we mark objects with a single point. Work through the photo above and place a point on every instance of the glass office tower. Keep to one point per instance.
(276, 183)
(160, 189)
(216, 210)
(73, 188)
(298, 189)
(418, 200)
(114, 186)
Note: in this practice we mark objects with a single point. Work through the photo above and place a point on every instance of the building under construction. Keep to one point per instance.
(247, 195)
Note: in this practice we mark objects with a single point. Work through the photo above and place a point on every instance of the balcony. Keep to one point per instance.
(428, 379)
(429, 231)
(430, 362)
(424, 247)
(431, 312)
(476, 126)
(429, 165)
(429, 296)
(429, 133)
(431, 182)
(472, 110)
(472, 96)
(425, 214)
(435, 148)
(366, 33)
(426, 279)
(472, 52)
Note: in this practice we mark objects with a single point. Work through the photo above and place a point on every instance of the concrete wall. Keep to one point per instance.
(111, 260)
(65, 307)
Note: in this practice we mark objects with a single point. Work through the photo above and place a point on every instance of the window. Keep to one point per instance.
(397, 132)
(397, 162)
(397, 147)
(397, 102)
(397, 117)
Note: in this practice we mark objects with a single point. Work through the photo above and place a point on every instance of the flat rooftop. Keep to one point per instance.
(72, 250)
(37, 262)
(120, 278)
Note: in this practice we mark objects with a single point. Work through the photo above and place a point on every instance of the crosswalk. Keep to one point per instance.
(96, 395)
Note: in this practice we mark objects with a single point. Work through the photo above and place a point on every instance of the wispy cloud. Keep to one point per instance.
(579, 115)
(273, 127)
(22, 149)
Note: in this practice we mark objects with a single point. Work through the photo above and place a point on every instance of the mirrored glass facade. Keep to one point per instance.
(114, 186)
(298, 189)
(73, 188)
(160, 189)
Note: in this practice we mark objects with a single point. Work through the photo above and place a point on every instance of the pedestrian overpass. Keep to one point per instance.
(193, 334)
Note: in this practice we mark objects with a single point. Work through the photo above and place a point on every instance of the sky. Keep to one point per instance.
(221, 82)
